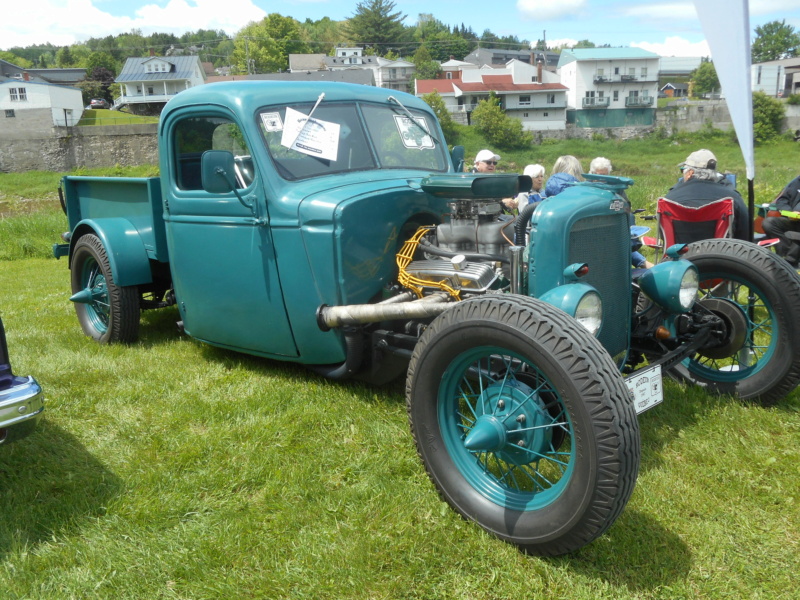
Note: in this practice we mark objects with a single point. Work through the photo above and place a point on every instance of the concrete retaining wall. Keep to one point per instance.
(67, 148)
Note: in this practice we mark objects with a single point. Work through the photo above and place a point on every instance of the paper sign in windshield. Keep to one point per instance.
(414, 136)
(272, 121)
(309, 135)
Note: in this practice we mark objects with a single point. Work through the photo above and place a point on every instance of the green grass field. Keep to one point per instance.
(172, 469)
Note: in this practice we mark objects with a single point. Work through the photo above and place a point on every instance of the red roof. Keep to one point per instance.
(490, 83)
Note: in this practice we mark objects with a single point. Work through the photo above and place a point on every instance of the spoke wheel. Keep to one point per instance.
(106, 311)
(757, 298)
(523, 422)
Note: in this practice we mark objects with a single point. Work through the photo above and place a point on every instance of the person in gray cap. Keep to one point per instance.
(702, 184)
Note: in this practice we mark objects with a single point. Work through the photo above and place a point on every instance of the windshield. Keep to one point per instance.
(348, 137)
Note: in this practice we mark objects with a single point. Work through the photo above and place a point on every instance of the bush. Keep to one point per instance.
(794, 99)
(499, 129)
(768, 116)
(434, 100)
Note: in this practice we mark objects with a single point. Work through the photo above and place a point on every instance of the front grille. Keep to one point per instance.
(604, 243)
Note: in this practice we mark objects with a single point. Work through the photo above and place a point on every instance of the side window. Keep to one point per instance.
(195, 135)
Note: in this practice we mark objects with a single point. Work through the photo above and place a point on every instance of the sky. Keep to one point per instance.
(666, 28)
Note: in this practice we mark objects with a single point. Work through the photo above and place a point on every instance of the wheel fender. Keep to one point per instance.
(126, 252)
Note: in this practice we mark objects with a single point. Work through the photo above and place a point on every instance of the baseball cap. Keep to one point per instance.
(701, 159)
(486, 155)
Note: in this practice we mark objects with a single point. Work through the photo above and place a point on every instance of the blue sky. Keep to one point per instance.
(669, 28)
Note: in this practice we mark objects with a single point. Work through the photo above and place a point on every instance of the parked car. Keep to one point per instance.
(21, 399)
(99, 103)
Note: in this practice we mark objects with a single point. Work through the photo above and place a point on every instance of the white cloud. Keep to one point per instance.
(64, 22)
(675, 46)
(542, 10)
(561, 43)
(672, 12)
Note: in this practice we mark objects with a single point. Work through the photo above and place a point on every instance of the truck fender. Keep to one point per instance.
(127, 255)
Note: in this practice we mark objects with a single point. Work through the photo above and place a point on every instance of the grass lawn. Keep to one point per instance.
(102, 116)
(172, 469)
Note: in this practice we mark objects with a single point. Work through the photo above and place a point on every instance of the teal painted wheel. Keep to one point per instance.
(106, 311)
(506, 428)
(523, 422)
(757, 297)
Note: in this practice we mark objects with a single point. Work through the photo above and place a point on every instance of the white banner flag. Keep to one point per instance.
(726, 24)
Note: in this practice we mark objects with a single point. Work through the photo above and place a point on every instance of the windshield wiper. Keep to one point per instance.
(415, 120)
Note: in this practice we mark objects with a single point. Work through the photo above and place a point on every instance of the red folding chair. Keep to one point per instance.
(679, 224)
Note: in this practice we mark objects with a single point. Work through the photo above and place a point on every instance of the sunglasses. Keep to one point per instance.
(490, 162)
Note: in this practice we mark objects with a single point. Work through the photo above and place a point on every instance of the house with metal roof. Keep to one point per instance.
(528, 93)
(67, 77)
(148, 83)
(499, 57)
(610, 87)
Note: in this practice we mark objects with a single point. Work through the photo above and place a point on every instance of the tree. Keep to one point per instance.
(424, 66)
(15, 59)
(704, 79)
(374, 23)
(775, 40)
(264, 47)
(498, 128)
(64, 58)
(101, 60)
(435, 101)
(768, 116)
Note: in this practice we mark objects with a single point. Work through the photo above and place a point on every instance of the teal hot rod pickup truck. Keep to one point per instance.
(328, 224)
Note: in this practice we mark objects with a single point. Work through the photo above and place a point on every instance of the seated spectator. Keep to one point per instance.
(536, 173)
(600, 166)
(566, 171)
(702, 184)
(777, 226)
(485, 162)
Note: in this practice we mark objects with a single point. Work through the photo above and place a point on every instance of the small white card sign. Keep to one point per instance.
(309, 135)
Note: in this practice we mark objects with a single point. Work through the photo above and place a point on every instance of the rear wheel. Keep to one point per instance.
(758, 298)
(107, 312)
(523, 422)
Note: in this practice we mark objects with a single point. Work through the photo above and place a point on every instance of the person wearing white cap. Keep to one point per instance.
(485, 162)
(702, 184)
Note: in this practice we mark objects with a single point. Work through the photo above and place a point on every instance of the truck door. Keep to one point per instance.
(221, 252)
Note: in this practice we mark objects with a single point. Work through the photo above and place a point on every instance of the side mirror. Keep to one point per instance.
(457, 158)
(217, 171)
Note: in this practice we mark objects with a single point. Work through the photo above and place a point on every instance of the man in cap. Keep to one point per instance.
(702, 184)
(777, 226)
(485, 162)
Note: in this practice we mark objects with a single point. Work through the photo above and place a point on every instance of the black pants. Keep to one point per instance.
(776, 227)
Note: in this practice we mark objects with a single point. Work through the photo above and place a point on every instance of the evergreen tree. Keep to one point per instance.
(374, 24)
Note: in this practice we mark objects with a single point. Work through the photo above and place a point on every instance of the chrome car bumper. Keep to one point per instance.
(20, 403)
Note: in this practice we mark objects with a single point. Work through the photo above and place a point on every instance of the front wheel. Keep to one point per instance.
(523, 422)
(107, 312)
(757, 297)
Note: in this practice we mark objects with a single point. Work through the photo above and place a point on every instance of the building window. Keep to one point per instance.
(616, 70)
(18, 94)
(551, 98)
(545, 114)
(10, 113)
(600, 72)
(644, 71)
(616, 95)
(524, 100)
(534, 79)
(525, 115)
(632, 71)
(448, 75)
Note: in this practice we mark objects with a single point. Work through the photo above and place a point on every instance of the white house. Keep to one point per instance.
(769, 78)
(528, 93)
(610, 87)
(392, 74)
(26, 106)
(148, 83)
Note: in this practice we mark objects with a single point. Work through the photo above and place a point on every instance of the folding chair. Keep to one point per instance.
(679, 224)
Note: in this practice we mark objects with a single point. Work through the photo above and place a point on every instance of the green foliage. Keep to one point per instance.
(375, 24)
(500, 130)
(264, 47)
(435, 101)
(15, 59)
(768, 113)
(794, 99)
(704, 79)
(775, 40)
(424, 66)
(323, 34)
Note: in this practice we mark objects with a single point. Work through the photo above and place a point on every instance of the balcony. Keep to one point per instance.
(628, 78)
(595, 102)
(638, 101)
(601, 78)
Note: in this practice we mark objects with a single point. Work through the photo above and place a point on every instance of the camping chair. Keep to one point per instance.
(678, 224)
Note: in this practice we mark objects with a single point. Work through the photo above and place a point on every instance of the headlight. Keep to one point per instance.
(690, 283)
(672, 285)
(580, 301)
(589, 312)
